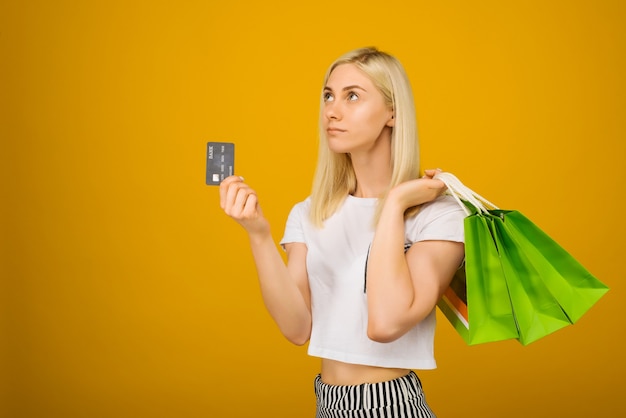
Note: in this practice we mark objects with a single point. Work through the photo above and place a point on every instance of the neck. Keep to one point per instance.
(373, 170)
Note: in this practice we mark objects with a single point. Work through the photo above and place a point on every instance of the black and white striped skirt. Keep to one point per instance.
(399, 398)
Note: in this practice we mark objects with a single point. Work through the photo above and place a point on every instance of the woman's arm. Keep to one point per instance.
(284, 288)
(402, 289)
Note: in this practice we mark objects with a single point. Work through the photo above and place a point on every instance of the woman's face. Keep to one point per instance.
(355, 115)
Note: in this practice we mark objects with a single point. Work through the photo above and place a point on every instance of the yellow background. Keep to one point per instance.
(125, 291)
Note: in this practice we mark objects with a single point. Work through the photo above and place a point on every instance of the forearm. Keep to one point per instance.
(390, 291)
(285, 294)
(281, 294)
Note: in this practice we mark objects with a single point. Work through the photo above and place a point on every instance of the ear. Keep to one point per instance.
(392, 120)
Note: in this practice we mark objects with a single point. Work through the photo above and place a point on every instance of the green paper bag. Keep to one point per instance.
(537, 312)
(571, 284)
(477, 302)
(546, 287)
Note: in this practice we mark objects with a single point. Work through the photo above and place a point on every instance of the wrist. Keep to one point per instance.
(393, 206)
(394, 202)
(260, 237)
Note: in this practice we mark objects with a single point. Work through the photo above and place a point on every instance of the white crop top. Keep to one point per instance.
(336, 256)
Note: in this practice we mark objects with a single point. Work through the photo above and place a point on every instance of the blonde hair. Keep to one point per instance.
(334, 176)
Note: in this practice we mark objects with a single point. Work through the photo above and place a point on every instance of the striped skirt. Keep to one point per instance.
(398, 398)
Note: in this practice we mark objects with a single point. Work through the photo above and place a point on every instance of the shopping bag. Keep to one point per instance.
(575, 288)
(546, 287)
(537, 312)
(478, 292)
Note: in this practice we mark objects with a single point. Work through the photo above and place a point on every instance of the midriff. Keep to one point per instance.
(339, 373)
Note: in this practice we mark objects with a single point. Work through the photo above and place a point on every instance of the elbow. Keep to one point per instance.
(299, 342)
(298, 337)
(386, 328)
(382, 332)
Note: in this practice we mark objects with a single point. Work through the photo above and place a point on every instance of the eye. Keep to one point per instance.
(352, 96)
(328, 97)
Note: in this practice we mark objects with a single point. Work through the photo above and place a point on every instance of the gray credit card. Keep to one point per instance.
(220, 162)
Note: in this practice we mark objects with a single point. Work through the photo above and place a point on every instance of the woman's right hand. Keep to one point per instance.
(240, 202)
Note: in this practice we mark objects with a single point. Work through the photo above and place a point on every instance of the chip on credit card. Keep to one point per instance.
(220, 162)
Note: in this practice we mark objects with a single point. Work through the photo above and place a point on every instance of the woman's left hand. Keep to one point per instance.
(430, 173)
(416, 192)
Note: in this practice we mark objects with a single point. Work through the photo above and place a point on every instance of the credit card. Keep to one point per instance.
(220, 162)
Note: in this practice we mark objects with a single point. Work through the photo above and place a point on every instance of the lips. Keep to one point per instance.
(334, 130)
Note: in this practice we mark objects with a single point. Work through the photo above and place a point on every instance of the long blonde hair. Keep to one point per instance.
(334, 176)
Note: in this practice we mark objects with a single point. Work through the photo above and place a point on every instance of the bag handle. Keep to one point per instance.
(463, 193)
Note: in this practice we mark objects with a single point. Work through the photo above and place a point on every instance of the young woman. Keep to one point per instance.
(369, 252)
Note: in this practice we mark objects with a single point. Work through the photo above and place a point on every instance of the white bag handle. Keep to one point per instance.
(461, 192)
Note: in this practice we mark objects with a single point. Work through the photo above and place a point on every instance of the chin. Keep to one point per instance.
(339, 151)
(343, 146)
(338, 148)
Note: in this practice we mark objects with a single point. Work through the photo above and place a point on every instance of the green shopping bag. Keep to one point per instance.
(537, 312)
(546, 287)
(575, 288)
(476, 302)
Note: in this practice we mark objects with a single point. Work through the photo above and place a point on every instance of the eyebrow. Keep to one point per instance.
(352, 87)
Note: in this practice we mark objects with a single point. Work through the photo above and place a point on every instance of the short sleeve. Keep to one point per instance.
(294, 227)
(441, 219)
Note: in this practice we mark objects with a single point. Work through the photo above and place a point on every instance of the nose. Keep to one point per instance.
(332, 111)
